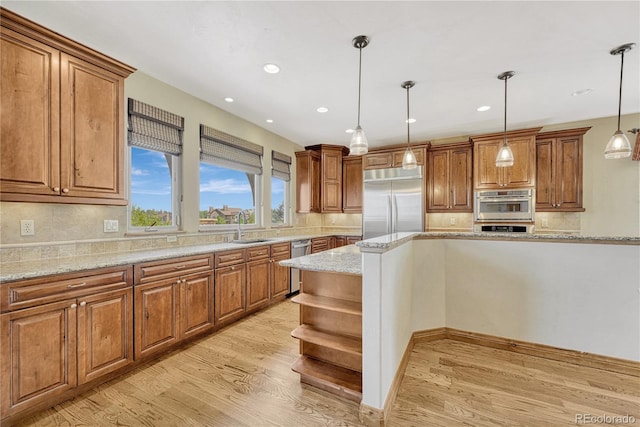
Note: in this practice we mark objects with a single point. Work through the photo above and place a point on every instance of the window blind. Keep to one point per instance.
(222, 149)
(280, 166)
(155, 129)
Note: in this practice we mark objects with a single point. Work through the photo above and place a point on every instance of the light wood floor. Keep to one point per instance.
(241, 376)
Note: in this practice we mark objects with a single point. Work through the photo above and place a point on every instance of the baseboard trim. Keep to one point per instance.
(375, 417)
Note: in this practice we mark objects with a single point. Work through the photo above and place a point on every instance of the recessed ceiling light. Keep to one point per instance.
(322, 109)
(484, 108)
(349, 131)
(582, 92)
(271, 68)
(410, 120)
(269, 121)
(228, 99)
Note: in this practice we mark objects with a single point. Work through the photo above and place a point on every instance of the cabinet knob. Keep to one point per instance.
(56, 189)
(65, 190)
(83, 303)
(233, 267)
(74, 305)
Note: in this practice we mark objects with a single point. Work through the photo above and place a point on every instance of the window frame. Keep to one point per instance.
(287, 204)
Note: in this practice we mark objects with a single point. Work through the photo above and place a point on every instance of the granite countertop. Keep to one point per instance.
(345, 259)
(12, 271)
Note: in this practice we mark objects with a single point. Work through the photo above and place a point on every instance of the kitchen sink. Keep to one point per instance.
(247, 241)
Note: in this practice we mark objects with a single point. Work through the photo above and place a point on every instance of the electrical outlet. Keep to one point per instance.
(27, 227)
(452, 221)
(171, 239)
(110, 226)
(545, 222)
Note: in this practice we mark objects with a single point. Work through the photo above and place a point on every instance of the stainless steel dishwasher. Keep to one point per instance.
(298, 248)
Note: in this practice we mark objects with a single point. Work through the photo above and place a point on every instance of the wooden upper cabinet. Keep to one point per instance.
(559, 170)
(307, 181)
(62, 118)
(319, 178)
(391, 157)
(449, 186)
(352, 184)
(523, 172)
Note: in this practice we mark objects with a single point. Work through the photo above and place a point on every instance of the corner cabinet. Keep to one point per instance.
(559, 171)
(62, 118)
(307, 181)
(319, 178)
(352, 184)
(449, 183)
(523, 172)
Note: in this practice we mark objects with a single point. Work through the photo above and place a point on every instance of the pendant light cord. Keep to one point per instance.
(505, 111)
(408, 116)
(620, 94)
(359, 83)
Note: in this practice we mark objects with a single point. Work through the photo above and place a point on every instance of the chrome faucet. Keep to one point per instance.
(239, 231)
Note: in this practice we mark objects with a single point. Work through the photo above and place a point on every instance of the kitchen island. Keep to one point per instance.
(568, 298)
(330, 330)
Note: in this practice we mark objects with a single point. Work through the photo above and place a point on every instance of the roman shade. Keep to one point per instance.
(280, 165)
(154, 129)
(222, 149)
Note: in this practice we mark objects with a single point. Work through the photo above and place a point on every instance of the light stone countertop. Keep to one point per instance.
(12, 271)
(345, 259)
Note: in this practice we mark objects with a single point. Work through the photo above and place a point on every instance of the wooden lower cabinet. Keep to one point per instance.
(258, 283)
(156, 314)
(196, 304)
(105, 333)
(230, 292)
(38, 355)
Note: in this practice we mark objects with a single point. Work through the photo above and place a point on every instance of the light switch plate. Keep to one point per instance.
(110, 225)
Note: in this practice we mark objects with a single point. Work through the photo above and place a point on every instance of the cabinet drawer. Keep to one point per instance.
(280, 249)
(260, 252)
(226, 258)
(174, 267)
(28, 293)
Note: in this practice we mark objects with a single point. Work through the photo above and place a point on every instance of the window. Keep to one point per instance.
(155, 138)
(230, 179)
(280, 177)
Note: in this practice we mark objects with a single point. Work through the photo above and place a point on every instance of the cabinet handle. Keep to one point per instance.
(180, 267)
(77, 285)
(74, 305)
(83, 303)
(56, 189)
(146, 314)
(65, 190)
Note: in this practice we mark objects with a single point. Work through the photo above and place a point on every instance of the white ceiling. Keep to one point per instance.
(453, 50)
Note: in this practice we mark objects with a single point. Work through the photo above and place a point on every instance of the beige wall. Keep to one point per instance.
(611, 211)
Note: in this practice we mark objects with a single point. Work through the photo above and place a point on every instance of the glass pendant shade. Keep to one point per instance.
(409, 159)
(505, 156)
(618, 147)
(359, 145)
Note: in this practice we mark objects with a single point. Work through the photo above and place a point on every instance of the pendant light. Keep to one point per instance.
(619, 146)
(505, 155)
(409, 159)
(359, 145)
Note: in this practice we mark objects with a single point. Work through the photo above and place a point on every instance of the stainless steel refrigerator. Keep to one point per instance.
(393, 201)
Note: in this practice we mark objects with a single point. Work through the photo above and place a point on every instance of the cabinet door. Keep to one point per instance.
(352, 185)
(38, 355)
(487, 175)
(280, 277)
(460, 186)
(399, 155)
(105, 333)
(438, 181)
(156, 317)
(545, 174)
(258, 283)
(569, 173)
(91, 130)
(230, 292)
(29, 116)
(377, 160)
(331, 190)
(340, 241)
(522, 173)
(197, 304)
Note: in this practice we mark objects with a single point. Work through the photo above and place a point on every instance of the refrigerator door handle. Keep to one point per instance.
(395, 214)
(390, 215)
